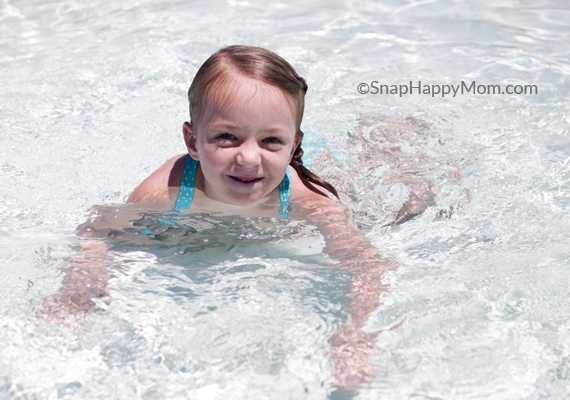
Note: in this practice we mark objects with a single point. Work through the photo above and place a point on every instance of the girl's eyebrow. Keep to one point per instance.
(224, 125)
(230, 125)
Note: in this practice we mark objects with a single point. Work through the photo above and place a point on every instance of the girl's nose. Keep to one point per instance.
(248, 154)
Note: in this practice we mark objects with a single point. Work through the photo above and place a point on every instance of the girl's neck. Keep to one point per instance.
(266, 207)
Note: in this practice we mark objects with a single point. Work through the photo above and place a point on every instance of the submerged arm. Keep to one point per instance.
(85, 275)
(352, 348)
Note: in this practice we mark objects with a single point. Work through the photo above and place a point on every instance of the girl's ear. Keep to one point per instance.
(296, 143)
(190, 140)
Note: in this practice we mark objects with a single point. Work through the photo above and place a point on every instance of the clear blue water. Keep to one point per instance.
(93, 100)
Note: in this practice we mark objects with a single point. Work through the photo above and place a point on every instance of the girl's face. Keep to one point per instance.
(244, 141)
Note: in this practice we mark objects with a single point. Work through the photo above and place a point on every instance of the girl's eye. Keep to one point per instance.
(272, 140)
(225, 136)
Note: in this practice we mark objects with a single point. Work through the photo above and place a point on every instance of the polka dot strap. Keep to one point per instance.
(187, 185)
(285, 192)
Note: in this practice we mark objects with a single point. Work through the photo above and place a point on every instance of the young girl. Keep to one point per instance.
(244, 157)
(243, 140)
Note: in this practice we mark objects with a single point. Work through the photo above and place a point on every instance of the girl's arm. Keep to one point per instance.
(86, 274)
(85, 277)
(351, 347)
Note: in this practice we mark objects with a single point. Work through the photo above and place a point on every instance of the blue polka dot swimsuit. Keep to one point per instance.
(173, 219)
(184, 200)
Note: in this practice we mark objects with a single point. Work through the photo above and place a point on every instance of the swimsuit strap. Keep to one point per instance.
(184, 199)
(285, 192)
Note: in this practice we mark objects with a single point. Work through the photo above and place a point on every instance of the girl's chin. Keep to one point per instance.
(241, 195)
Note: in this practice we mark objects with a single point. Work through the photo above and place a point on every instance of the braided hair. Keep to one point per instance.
(307, 177)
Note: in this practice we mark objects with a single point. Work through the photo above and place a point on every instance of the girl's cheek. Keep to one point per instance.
(222, 154)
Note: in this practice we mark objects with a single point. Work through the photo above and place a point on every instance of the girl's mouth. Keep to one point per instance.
(245, 179)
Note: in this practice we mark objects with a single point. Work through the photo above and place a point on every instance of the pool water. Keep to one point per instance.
(93, 100)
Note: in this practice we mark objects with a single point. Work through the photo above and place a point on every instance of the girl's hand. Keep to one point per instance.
(422, 193)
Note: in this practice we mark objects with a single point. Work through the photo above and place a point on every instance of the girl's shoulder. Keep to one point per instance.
(309, 198)
(168, 175)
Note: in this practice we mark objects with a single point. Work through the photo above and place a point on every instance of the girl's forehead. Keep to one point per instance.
(244, 92)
